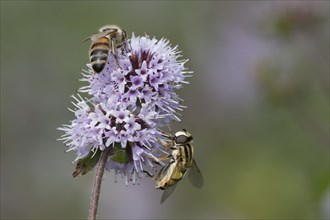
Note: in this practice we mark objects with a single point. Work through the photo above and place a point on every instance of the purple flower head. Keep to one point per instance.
(137, 81)
(129, 105)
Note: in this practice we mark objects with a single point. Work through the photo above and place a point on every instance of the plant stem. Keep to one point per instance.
(97, 183)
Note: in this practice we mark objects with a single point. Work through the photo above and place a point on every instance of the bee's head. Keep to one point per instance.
(116, 33)
(182, 137)
(109, 27)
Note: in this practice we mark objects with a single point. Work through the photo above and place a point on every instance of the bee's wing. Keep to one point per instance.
(96, 36)
(168, 191)
(195, 176)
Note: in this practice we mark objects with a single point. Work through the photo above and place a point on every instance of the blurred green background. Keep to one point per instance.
(258, 108)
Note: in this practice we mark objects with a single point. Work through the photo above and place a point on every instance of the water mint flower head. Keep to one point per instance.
(128, 106)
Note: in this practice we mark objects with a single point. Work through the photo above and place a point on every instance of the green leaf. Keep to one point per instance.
(117, 154)
(121, 155)
(86, 164)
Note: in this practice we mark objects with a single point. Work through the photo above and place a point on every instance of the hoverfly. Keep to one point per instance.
(109, 37)
(181, 159)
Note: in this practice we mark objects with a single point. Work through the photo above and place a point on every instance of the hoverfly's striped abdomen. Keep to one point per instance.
(99, 53)
(186, 155)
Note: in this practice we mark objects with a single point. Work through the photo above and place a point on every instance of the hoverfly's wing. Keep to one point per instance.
(165, 174)
(164, 170)
(195, 176)
(168, 191)
(96, 36)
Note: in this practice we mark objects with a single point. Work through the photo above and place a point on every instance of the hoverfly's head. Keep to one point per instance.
(182, 137)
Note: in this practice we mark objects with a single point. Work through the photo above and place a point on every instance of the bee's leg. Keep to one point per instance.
(114, 52)
(128, 46)
(123, 48)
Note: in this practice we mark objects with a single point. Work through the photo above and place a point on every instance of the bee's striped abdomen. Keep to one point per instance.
(99, 54)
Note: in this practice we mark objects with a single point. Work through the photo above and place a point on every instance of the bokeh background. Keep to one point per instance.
(258, 108)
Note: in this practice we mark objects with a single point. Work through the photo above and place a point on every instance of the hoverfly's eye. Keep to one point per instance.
(182, 139)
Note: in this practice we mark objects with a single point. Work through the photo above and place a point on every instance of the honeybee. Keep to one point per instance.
(181, 159)
(109, 37)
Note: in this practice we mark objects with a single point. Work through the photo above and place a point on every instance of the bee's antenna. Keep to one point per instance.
(88, 38)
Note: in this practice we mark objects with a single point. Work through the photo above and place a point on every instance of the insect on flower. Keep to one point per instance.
(109, 37)
(127, 107)
(181, 159)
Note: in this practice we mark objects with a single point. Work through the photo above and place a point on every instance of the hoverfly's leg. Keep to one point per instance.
(166, 157)
(114, 52)
(167, 135)
(156, 160)
(168, 144)
(148, 173)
